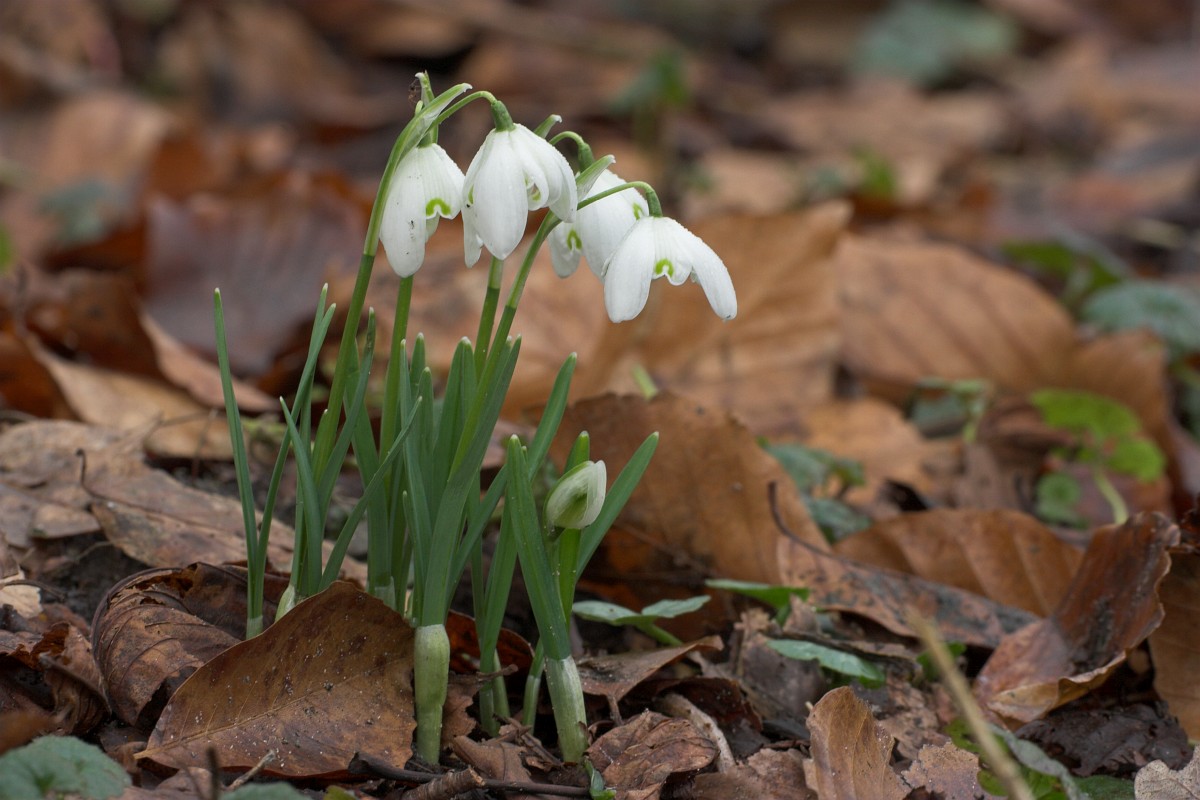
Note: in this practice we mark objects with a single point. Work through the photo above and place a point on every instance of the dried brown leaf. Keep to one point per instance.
(1109, 608)
(1006, 556)
(1175, 646)
(617, 674)
(851, 754)
(156, 628)
(307, 688)
(840, 584)
(640, 756)
(947, 772)
(1157, 781)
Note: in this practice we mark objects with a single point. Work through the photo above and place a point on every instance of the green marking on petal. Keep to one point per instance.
(664, 267)
(637, 211)
(437, 206)
(535, 194)
(574, 243)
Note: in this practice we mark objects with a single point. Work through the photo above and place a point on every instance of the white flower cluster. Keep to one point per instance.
(517, 171)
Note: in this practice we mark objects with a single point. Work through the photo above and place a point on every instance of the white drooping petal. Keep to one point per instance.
(514, 172)
(598, 228)
(603, 224)
(565, 249)
(628, 272)
(494, 206)
(658, 247)
(426, 185)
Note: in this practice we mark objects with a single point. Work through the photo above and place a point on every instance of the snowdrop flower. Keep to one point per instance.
(576, 500)
(598, 227)
(426, 185)
(514, 172)
(657, 247)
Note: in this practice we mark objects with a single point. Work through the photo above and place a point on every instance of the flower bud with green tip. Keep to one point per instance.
(576, 500)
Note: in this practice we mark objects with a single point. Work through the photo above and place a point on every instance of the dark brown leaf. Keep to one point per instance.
(1110, 607)
(307, 688)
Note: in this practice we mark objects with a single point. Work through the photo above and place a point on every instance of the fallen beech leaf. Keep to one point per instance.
(947, 772)
(198, 376)
(269, 255)
(157, 627)
(924, 136)
(883, 596)
(61, 658)
(876, 434)
(914, 310)
(336, 665)
(26, 385)
(766, 775)
(1006, 556)
(496, 758)
(173, 424)
(100, 139)
(1157, 781)
(705, 501)
(615, 675)
(851, 754)
(1110, 740)
(1109, 608)
(1175, 646)
(640, 756)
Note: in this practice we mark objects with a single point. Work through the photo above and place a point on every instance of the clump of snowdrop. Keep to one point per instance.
(420, 455)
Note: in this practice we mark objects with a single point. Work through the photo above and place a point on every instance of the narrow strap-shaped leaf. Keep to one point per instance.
(535, 565)
(371, 493)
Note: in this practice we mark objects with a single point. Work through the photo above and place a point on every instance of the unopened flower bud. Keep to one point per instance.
(575, 500)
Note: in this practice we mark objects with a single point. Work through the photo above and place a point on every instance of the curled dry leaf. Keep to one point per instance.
(1175, 646)
(1110, 607)
(1005, 556)
(156, 628)
(851, 754)
(640, 756)
(307, 688)
(61, 658)
(615, 675)
(883, 596)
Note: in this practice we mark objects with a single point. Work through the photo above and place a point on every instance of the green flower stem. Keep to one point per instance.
(487, 316)
(570, 716)
(431, 667)
(1120, 511)
(568, 559)
(582, 147)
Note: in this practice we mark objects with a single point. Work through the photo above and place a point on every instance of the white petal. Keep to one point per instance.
(691, 256)
(402, 227)
(443, 182)
(628, 273)
(603, 224)
(564, 249)
(497, 199)
(550, 172)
